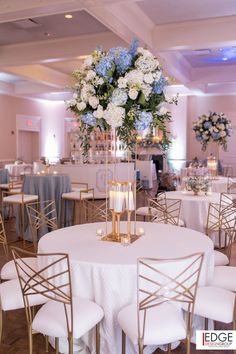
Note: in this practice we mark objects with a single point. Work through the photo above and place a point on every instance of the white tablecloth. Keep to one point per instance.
(194, 208)
(106, 271)
(16, 170)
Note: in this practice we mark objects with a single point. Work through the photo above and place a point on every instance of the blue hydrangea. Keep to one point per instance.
(199, 138)
(103, 68)
(158, 86)
(122, 59)
(144, 120)
(133, 47)
(215, 135)
(89, 119)
(207, 125)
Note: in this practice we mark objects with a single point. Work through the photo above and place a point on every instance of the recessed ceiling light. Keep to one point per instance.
(224, 59)
(68, 16)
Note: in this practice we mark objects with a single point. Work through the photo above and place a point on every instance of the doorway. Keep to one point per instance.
(28, 146)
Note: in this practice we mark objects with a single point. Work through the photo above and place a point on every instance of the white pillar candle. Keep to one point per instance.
(129, 200)
(111, 199)
(118, 201)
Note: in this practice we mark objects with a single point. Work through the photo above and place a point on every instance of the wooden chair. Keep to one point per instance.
(60, 317)
(3, 237)
(156, 319)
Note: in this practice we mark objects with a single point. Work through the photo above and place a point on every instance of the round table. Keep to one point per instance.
(194, 208)
(106, 272)
(219, 185)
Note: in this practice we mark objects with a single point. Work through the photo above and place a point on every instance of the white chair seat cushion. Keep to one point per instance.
(12, 298)
(77, 195)
(17, 198)
(50, 319)
(225, 277)
(220, 259)
(77, 189)
(145, 211)
(164, 324)
(8, 271)
(215, 303)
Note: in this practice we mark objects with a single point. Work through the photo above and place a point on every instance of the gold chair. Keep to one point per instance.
(164, 286)
(155, 206)
(97, 211)
(42, 218)
(3, 237)
(221, 226)
(60, 317)
(80, 195)
(21, 200)
(168, 213)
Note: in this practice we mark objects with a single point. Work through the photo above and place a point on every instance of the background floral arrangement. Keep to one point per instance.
(213, 127)
(122, 89)
(197, 184)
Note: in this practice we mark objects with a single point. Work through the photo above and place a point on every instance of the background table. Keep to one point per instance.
(4, 176)
(106, 271)
(16, 170)
(194, 208)
(49, 187)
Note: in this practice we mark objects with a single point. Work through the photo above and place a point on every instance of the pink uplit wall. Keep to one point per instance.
(52, 124)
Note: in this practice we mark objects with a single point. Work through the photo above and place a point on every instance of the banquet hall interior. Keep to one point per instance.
(117, 175)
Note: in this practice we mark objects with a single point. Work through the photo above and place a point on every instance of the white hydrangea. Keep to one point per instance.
(134, 78)
(214, 118)
(90, 75)
(88, 61)
(148, 78)
(71, 103)
(146, 90)
(133, 94)
(99, 81)
(146, 64)
(221, 126)
(144, 52)
(93, 101)
(114, 115)
(122, 82)
(99, 112)
(81, 106)
(157, 75)
(75, 95)
(86, 92)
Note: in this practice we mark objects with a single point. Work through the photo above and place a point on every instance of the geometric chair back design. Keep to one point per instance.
(164, 288)
(60, 315)
(52, 280)
(3, 237)
(231, 185)
(42, 219)
(167, 210)
(97, 213)
(228, 201)
(162, 281)
(221, 227)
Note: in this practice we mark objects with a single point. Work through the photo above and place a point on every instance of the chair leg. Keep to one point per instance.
(46, 344)
(169, 348)
(98, 338)
(70, 341)
(1, 323)
(57, 345)
(123, 342)
(206, 324)
(23, 223)
(30, 336)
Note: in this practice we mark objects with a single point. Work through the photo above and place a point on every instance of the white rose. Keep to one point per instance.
(99, 112)
(100, 81)
(122, 82)
(114, 115)
(75, 95)
(133, 94)
(81, 106)
(134, 78)
(88, 61)
(93, 101)
(148, 78)
(162, 110)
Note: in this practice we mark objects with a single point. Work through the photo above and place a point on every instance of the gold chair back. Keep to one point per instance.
(167, 209)
(3, 237)
(52, 279)
(42, 218)
(231, 185)
(162, 281)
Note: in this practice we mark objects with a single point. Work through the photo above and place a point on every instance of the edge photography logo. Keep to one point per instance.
(221, 340)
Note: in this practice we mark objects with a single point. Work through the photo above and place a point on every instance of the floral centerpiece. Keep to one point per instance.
(197, 184)
(121, 89)
(213, 127)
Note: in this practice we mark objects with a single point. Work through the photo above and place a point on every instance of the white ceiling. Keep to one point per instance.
(39, 48)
